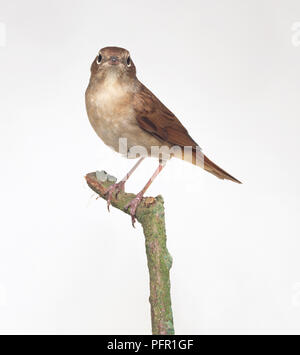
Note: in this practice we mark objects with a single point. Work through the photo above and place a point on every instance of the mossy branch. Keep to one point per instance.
(150, 214)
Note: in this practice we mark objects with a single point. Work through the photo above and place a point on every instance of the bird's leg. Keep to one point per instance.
(119, 186)
(137, 200)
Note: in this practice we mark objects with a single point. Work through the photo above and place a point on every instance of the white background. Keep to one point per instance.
(230, 71)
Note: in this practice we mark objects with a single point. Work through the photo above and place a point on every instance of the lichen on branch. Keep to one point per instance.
(150, 213)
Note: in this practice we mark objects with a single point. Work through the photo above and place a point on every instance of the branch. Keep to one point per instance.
(150, 214)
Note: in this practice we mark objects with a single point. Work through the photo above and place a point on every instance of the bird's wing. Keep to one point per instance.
(155, 118)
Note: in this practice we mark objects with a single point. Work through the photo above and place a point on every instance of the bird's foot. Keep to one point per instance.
(133, 205)
(114, 189)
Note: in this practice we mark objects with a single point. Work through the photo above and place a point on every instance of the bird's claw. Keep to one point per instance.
(114, 189)
(132, 206)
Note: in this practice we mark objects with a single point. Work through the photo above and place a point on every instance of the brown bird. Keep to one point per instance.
(120, 107)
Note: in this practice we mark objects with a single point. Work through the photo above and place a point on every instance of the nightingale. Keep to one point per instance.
(120, 107)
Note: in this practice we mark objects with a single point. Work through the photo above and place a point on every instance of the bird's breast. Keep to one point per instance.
(110, 111)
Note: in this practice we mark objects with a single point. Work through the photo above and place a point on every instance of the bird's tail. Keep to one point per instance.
(201, 160)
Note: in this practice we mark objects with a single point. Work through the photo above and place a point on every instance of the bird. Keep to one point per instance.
(121, 109)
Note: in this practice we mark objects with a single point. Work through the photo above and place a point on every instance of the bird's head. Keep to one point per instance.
(113, 61)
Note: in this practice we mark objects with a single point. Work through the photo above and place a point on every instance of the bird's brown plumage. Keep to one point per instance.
(119, 105)
(155, 118)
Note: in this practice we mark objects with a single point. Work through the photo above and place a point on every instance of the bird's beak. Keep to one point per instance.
(113, 60)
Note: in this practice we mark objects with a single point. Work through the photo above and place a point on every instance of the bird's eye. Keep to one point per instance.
(129, 61)
(99, 59)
